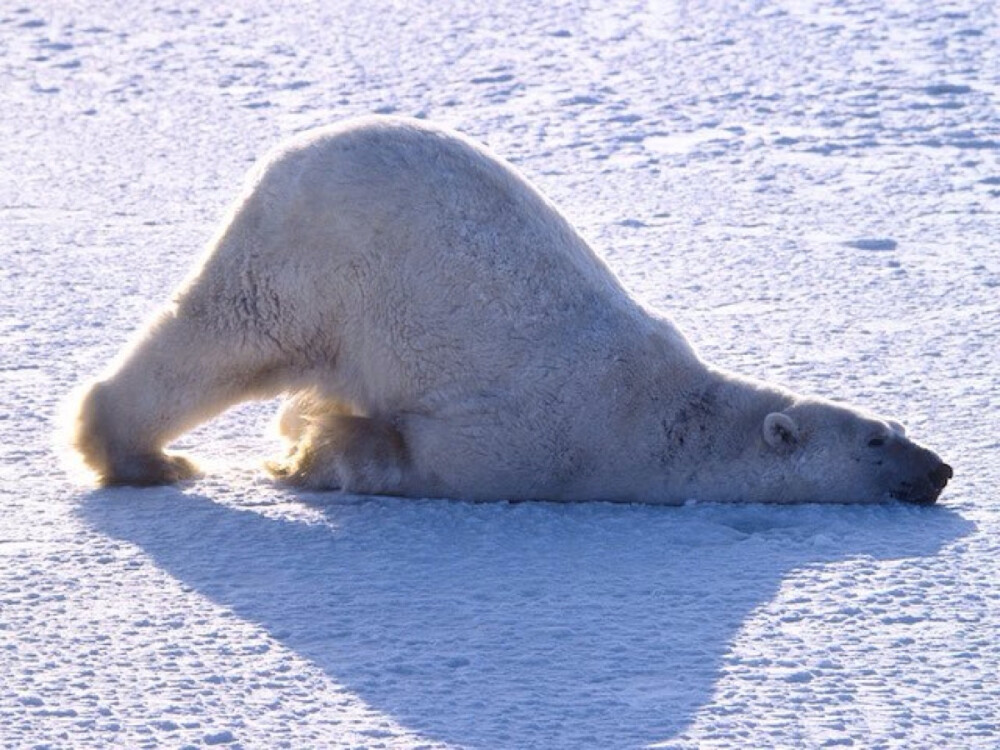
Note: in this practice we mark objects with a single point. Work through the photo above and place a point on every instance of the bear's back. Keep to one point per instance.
(437, 235)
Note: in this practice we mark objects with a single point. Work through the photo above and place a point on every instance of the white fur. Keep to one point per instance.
(442, 330)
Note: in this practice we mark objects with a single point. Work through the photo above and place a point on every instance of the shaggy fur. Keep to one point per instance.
(441, 330)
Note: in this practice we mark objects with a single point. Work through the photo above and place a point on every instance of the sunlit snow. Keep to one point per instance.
(810, 189)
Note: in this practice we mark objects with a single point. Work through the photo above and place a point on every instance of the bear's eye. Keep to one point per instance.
(876, 442)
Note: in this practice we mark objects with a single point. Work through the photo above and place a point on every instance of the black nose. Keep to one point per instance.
(925, 492)
(940, 475)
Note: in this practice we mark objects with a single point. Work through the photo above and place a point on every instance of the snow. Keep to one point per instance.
(809, 189)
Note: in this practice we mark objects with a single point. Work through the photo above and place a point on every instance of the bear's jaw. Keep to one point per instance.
(926, 490)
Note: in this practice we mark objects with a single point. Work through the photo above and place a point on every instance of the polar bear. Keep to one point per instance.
(439, 329)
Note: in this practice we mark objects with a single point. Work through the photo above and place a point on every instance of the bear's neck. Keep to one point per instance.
(705, 433)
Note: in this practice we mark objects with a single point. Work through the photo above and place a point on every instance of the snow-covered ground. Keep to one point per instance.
(811, 189)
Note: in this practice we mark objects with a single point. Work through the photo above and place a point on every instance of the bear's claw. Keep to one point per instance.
(149, 470)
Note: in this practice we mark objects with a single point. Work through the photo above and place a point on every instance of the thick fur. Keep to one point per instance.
(441, 330)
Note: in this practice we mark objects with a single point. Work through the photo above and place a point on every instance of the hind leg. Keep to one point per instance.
(350, 453)
(182, 372)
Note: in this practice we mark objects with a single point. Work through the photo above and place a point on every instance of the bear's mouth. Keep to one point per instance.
(908, 492)
(926, 491)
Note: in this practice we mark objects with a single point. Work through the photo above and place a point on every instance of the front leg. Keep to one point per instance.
(354, 454)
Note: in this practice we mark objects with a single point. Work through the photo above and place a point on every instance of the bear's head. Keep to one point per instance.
(818, 451)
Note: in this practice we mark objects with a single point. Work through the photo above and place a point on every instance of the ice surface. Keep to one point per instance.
(809, 189)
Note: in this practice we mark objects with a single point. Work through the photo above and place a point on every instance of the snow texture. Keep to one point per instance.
(810, 189)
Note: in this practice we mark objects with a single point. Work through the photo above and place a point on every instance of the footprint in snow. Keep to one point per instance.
(873, 243)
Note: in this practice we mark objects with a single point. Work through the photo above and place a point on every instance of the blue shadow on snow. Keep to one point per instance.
(510, 625)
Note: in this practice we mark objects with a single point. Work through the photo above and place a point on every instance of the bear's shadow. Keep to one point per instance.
(509, 625)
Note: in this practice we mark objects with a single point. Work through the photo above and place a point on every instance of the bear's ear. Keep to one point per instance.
(896, 427)
(780, 431)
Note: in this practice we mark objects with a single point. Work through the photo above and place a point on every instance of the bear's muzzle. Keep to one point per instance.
(926, 491)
